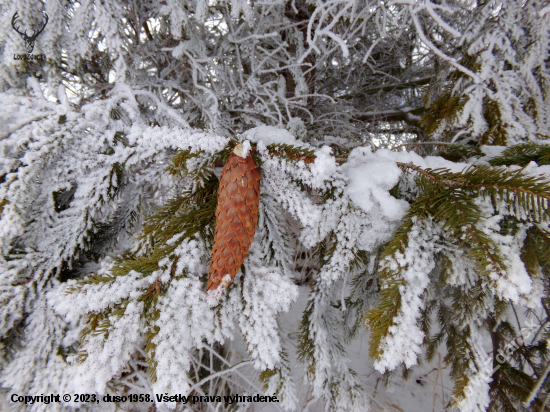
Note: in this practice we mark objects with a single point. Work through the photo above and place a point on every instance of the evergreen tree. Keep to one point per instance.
(111, 151)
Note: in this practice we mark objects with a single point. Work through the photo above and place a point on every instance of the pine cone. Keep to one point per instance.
(236, 219)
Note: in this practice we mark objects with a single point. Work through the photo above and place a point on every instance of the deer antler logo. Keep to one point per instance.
(29, 40)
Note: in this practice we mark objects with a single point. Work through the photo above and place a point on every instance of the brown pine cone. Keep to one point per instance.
(236, 219)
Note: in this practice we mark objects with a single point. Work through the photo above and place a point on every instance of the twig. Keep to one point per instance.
(539, 332)
(543, 407)
(419, 143)
(537, 387)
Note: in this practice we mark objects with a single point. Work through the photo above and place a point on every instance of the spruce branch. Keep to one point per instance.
(523, 154)
(292, 153)
(532, 193)
(449, 200)
(457, 152)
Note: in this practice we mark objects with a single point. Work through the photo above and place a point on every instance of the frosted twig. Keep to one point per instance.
(534, 392)
(451, 60)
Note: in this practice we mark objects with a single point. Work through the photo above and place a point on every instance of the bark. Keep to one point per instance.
(410, 116)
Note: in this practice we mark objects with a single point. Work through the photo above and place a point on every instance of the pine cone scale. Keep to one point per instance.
(233, 242)
(243, 186)
(235, 224)
(235, 174)
(230, 215)
(250, 197)
(244, 215)
(238, 255)
(225, 254)
(224, 227)
(232, 189)
(241, 234)
(238, 201)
